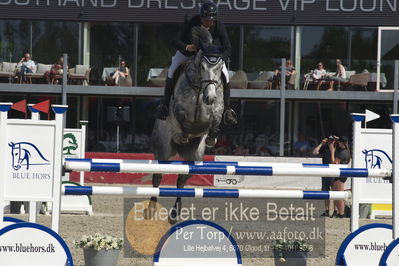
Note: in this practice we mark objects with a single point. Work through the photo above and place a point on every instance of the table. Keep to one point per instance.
(153, 73)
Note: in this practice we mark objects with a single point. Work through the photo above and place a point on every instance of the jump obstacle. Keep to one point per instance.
(52, 190)
(235, 168)
(220, 169)
(304, 165)
(205, 193)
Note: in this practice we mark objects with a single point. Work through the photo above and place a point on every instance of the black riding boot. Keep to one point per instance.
(162, 110)
(229, 116)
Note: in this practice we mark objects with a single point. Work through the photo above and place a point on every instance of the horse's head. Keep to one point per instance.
(377, 158)
(208, 63)
(372, 160)
(210, 66)
(15, 155)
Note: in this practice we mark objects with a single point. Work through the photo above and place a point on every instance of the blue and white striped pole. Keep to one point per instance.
(205, 193)
(233, 163)
(88, 166)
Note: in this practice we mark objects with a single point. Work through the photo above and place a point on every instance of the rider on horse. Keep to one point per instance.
(186, 50)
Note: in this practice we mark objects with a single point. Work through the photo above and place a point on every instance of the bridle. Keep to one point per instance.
(212, 59)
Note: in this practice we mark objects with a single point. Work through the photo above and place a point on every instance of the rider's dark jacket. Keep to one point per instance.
(218, 31)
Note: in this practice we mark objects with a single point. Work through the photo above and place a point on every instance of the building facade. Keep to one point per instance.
(362, 33)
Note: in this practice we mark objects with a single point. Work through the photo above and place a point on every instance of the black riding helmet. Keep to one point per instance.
(209, 10)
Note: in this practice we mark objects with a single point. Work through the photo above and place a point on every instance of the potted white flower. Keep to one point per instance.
(290, 252)
(100, 250)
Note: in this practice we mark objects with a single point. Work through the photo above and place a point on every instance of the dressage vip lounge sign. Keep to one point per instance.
(270, 12)
(29, 161)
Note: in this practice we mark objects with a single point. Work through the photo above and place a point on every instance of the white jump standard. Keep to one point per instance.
(205, 193)
(187, 169)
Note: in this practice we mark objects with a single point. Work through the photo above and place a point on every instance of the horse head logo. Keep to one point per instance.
(375, 158)
(22, 154)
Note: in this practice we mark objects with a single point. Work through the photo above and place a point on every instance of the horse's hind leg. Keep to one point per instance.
(152, 205)
(156, 181)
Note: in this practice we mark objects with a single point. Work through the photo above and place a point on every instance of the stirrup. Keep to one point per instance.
(230, 117)
(161, 112)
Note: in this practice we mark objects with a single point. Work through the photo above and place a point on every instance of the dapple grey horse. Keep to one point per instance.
(195, 109)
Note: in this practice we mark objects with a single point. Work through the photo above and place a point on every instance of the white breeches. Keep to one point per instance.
(180, 58)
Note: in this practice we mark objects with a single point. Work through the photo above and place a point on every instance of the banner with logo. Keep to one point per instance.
(365, 246)
(375, 153)
(72, 145)
(30, 159)
(33, 244)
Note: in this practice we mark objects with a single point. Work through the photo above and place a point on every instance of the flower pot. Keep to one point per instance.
(291, 258)
(101, 257)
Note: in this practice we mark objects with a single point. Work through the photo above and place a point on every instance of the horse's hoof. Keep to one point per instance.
(172, 219)
(210, 142)
(184, 140)
(180, 139)
(230, 117)
(176, 138)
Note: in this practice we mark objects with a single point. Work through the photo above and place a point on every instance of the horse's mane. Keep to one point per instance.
(201, 37)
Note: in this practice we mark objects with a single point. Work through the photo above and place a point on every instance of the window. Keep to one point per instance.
(265, 46)
(155, 48)
(15, 39)
(364, 49)
(323, 44)
(233, 31)
(51, 39)
(108, 44)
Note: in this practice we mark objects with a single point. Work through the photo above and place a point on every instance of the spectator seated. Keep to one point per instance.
(28, 75)
(108, 81)
(291, 82)
(346, 84)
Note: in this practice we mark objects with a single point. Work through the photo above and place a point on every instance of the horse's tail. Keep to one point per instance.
(37, 150)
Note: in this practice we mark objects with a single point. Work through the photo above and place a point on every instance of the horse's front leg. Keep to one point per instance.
(185, 125)
(210, 140)
(156, 181)
(175, 213)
